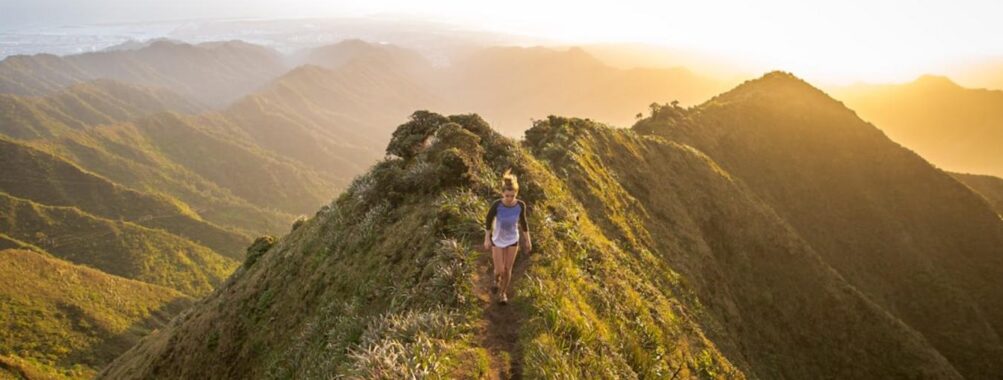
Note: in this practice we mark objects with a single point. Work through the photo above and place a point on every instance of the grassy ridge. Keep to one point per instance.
(697, 235)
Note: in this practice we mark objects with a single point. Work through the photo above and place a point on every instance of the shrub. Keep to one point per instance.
(258, 248)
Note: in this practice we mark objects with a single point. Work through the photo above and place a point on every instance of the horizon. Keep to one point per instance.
(888, 43)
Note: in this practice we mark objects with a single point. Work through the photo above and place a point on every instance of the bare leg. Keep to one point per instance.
(509, 259)
(498, 258)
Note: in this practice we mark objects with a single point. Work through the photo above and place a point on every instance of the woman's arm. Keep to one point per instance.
(488, 222)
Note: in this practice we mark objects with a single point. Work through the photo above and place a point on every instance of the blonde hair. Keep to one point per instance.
(509, 181)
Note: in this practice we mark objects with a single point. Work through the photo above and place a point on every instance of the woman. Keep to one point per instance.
(506, 219)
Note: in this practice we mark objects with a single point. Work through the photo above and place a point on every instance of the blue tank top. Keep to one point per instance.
(505, 222)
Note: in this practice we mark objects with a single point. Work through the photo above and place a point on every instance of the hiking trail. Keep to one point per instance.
(499, 330)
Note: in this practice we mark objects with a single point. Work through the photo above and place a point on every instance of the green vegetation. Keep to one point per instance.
(63, 320)
(116, 247)
(49, 180)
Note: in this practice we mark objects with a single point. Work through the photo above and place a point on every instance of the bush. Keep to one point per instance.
(409, 137)
(258, 248)
(298, 222)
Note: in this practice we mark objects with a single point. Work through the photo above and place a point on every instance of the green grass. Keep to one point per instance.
(115, 247)
(68, 320)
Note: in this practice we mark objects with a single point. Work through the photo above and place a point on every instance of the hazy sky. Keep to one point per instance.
(836, 40)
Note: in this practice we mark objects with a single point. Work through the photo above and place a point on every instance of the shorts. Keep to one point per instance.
(510, 245)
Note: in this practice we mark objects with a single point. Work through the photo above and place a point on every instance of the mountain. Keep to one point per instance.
(956, 128)
(64, 320)
(986, 73)
(213, 73)
(909, 236)
(510, 85)
(991, 188)
(652, 259)
(351, 50)
(334, 121)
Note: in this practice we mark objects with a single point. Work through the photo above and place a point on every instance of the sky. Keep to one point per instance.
(834, 41)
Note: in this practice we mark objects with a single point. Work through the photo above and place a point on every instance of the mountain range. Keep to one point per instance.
(769, 232)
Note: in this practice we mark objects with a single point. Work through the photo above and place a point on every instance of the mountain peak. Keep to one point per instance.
(934, 81)
(776, 86)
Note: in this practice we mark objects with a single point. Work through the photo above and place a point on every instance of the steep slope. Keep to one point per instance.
(991, 188)
(43, 178)
(910, 237)
(956, 128)
(115, 247)
(213, 73)
(68, 320)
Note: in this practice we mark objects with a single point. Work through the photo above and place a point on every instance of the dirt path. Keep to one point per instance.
(500, 327)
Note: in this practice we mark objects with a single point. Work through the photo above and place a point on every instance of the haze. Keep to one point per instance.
(826, 42)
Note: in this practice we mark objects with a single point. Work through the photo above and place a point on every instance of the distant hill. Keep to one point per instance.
(68, 320)
(333, 121)
(213, 73)
(991, 188)
(956, 128)
(83, 105)
(354, 50)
